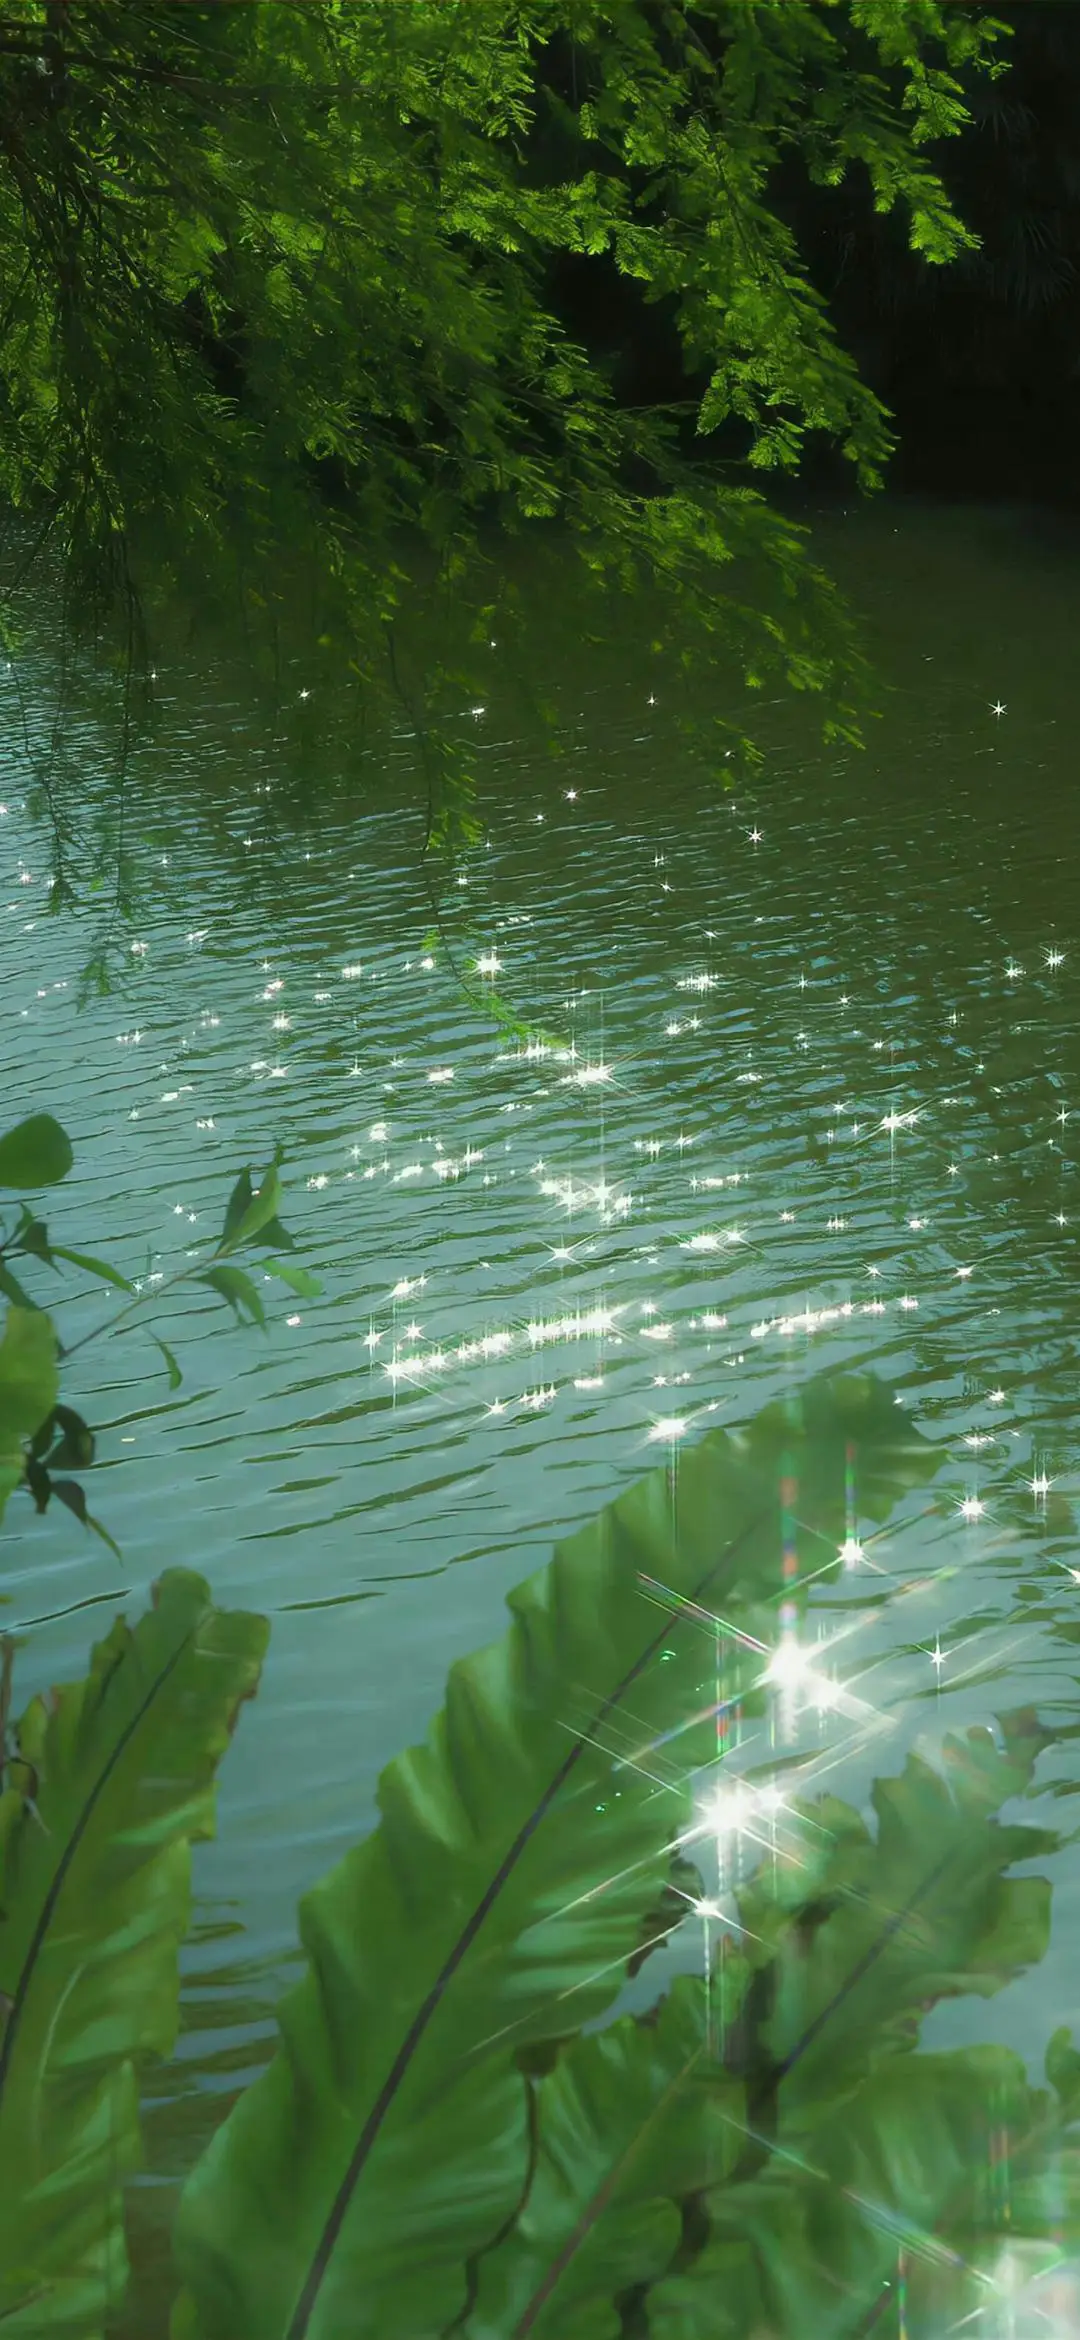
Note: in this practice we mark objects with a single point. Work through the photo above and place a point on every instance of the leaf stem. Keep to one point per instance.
(110, 1323)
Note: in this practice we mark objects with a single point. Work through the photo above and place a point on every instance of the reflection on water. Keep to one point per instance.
(805, 1094)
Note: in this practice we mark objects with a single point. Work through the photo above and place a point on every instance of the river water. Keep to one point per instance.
(816, 1101)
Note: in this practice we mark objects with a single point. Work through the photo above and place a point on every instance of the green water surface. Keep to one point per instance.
(817, 1102)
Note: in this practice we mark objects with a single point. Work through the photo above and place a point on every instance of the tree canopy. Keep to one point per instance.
(277, 288)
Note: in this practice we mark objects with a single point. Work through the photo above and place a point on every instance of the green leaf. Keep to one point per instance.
(37, 1482)
(37, 1152)
(251, 1211)
(920, 1913)
(94, 1267)
(175, 1375)
(238, 1289)
(631, 2119)
(298, 1279)
(276, 1236)
(1062, 2067)
(1044, 2176)
(28, 1386)
(505, 1890)
(74, 1448)
(13, 1290)
(34, 1237)
(69, 1492)
(103, 1532)
(96, 1895)
(808, 2244)
(237, 1207)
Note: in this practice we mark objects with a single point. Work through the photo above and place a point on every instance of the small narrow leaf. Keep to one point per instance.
(251, 1212)
(238, 1205)
(38, 1483)
(103, 1532)
(68, 1491)
(298, 1279)
(274, 1236)
(94, 1267)
(34, 1237)
(238, 1289)
(173, 1369)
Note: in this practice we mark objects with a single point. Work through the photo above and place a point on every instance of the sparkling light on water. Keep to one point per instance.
(607, 1235)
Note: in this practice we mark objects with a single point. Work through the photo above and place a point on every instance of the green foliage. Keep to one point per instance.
(279, 292)
(36, 1153)
(238, 1289)
(28, 1386)
(961, 1926)
(109, 1783)
(38, 1434)
(252, 1215)
(446, 2141)
(1004, 312)
(809, 2245)
(631, 2121)
(512, 1878)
